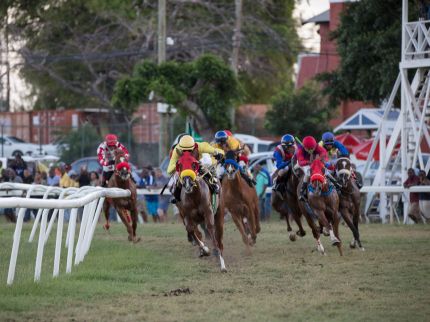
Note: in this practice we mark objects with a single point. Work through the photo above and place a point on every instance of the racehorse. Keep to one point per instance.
(349, 205)
(121, 179)
(287, 203)
(197, 206)
(241, 200)
(323, 203)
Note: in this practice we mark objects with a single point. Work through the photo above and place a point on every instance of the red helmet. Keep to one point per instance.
(309, 143)
(111, 139)
(228, 132)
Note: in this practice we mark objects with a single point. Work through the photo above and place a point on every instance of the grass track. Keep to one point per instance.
(280, 281)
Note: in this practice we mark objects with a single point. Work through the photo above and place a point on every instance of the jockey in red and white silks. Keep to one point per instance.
(306, 154)
(105, 154)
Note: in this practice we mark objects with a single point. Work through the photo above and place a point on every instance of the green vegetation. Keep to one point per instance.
(301, 111)
(280, 281)
(369, 44)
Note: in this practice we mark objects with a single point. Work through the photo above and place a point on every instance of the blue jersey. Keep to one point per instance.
(337, 149)
(281, 157)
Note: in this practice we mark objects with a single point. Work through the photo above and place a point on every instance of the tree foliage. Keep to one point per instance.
(369, 44)
(81, 142)
(300, 112)
(205, 89)
(74, 51)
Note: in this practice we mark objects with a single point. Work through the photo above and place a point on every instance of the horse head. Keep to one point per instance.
(187, 167)
(119, 156)
(343, 171)
(318, 180)
(122, 170)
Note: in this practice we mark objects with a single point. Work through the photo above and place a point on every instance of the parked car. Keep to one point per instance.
(265, 159)
(92, 164)
(11, 146)
(55, 148)
(256, 145)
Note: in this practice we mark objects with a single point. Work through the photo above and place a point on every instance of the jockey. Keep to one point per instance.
(229, 143)
(306, 154)
(187, 143)
(283, 154)
(335, 150)
(105, 153)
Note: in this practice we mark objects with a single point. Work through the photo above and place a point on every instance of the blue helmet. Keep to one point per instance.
(288, 140)
(221, 137)
(328, 138)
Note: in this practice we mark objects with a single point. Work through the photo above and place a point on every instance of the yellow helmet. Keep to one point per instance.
(186, 143)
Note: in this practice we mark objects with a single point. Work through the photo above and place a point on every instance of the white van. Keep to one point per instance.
(255, 144)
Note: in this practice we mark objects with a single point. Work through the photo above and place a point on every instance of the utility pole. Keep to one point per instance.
(162, 143)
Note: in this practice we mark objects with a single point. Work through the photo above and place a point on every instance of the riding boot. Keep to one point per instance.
(176, 195)
(333, 180)
(358, 183)
(251, 182)
(303, 190)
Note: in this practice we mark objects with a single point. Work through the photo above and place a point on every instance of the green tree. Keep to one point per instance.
(369, 44)
(74, 51)
(300, 112)
(81, 143)
(204, 89)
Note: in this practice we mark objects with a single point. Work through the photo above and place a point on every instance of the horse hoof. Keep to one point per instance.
(204, 252)
(136, 240)
(106, 226)
(352, 245)
(223, 270)
(292, 237)
(362, 249)
(335, 242)
(130, 238)
(325, 232)
(301, 233)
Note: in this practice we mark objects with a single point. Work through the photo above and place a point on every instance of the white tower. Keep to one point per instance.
(403, 149)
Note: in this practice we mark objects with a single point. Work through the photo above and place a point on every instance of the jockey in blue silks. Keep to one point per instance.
(283, 154)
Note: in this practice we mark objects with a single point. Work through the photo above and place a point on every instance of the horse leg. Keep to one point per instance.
(279, 206)
(215, 226)
(315, 231)
(133, 215)
(336, 232)
(239, 224)
(356, 217)
(346, 215)
(106, 207)
(248, 220)
(295, 213)
(256, 214)
(123, 215)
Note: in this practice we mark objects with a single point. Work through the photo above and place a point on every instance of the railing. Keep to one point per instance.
(91, 198)
(417, 39)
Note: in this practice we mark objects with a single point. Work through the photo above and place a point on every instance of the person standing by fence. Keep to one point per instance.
(424, 197)
(262, 182)
(414, 208)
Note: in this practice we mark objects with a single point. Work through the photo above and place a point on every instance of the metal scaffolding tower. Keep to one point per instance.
(402, 150)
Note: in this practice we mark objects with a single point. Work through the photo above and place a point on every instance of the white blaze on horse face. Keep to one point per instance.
(344, 164)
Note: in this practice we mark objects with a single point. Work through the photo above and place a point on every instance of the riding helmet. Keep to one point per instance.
(111, 139)
(186, 143)
(309, 143)
(221, 137)
(288, 140)
(328, 138)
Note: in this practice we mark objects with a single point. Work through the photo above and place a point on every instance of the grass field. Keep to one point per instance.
(280, 281)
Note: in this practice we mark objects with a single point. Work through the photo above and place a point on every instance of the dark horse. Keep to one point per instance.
(241, 200)
(198, 206)
(286, 203)
(349, 206)
(121, 179)
(323, 203)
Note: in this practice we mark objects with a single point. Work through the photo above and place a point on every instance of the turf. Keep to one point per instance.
(281, 280)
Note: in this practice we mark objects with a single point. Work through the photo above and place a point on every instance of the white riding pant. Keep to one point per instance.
(307, 170)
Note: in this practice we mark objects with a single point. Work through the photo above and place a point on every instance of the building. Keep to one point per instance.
(327, 59)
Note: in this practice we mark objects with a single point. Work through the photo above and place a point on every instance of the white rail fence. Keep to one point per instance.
(90, 198)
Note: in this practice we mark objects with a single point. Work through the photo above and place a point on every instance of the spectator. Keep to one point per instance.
(424, 197)
(141, 183)
(163, 200)
(84, 177)
(1, 171)
(151, 200)
(414, 208)
(65, 180)
(94, 179)
(268, 203)
(261, 185)
(27, 177)
(53, 179)
(38, 178)
(9, 175)
(19, 165)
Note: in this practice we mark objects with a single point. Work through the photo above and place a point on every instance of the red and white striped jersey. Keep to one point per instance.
(105, 154)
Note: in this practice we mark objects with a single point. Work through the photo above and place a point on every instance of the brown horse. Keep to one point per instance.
(241, 201)
(121, 179)
(197, 207)
(323, 203)
(286, 202)
(349, 205)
